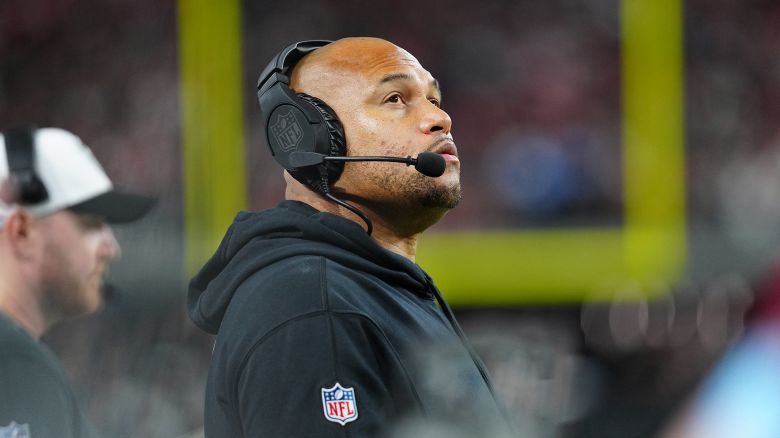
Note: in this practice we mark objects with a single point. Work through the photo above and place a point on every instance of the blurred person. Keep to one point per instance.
(740, 396)
(325, 328)
(55, 247)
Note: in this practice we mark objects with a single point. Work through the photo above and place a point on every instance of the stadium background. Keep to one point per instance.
(621, 169)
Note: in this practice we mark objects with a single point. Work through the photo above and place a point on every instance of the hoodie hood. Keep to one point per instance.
(257, 240)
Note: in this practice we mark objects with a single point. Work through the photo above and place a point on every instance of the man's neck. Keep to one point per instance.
(21, 306)
(385, 236)
(392, 241)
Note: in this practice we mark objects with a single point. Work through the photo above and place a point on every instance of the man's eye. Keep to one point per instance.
(393, 98)
(90, 222)
(435, 102)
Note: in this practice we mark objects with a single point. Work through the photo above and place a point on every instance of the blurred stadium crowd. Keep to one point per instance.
(533, 90)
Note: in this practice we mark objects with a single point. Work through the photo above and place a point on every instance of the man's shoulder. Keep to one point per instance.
(289, 289)
(283, 289)
(16, 345)
(309, 280)
(23, 368)
(286, 274)
(35, 388)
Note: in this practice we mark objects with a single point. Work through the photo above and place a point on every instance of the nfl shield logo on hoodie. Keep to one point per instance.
(339, 404)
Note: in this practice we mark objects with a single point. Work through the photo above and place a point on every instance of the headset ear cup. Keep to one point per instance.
(299, 122)
(336, 146)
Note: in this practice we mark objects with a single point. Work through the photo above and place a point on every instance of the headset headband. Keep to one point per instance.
(20, 155)
(279, 68)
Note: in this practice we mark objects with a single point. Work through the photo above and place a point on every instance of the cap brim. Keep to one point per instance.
(116, 207)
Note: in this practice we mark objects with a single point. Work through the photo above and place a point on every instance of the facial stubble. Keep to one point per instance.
(420, 190)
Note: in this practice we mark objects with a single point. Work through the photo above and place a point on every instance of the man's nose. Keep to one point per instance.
(435, 121)
(109, 247)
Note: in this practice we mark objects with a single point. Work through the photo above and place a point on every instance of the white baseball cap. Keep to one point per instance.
(72, 178)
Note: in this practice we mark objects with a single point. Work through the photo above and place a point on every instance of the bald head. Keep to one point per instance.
(329, 69)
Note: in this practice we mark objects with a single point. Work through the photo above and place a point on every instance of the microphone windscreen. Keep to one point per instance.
(430, 164)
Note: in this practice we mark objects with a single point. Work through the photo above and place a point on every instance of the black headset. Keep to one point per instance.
(297, 122)
(27, 187)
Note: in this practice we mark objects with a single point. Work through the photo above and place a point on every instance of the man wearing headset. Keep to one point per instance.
(325, 324)
(55, 246)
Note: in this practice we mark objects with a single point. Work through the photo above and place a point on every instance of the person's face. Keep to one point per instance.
(76, 251)
(389, 105)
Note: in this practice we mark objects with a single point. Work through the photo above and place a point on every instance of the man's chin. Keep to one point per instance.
(94, 299)
(441, 197)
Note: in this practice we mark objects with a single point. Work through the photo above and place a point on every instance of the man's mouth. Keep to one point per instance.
(447, 149)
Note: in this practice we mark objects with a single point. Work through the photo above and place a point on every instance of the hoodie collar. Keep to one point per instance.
(258, 239)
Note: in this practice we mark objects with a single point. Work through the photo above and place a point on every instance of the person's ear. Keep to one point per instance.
(20, 234)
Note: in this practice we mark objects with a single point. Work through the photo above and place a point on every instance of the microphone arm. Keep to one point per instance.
(306, 159)
(427, 163)
(409, 161)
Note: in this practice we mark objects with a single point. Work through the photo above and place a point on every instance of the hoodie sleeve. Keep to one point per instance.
(325, 374)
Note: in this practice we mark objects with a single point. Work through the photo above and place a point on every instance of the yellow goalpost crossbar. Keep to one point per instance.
(477, 268)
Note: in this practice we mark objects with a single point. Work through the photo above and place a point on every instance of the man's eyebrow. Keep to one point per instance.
(395, 77)
(404, 76)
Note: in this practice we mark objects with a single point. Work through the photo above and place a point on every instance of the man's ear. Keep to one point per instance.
(18, 231)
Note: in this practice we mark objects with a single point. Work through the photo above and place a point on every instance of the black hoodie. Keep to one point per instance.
(323, 333)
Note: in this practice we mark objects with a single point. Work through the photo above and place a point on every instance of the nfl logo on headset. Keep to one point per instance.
(287, 131)
(339, 404)
(15, 430)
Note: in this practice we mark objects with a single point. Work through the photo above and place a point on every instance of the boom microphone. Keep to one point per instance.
(427, 163)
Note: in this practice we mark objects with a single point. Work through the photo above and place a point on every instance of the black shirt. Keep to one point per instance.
(35, 395)
(321, 332)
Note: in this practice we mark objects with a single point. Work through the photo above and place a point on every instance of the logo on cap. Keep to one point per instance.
(287, 131)
(15, 430)
(339, 404)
